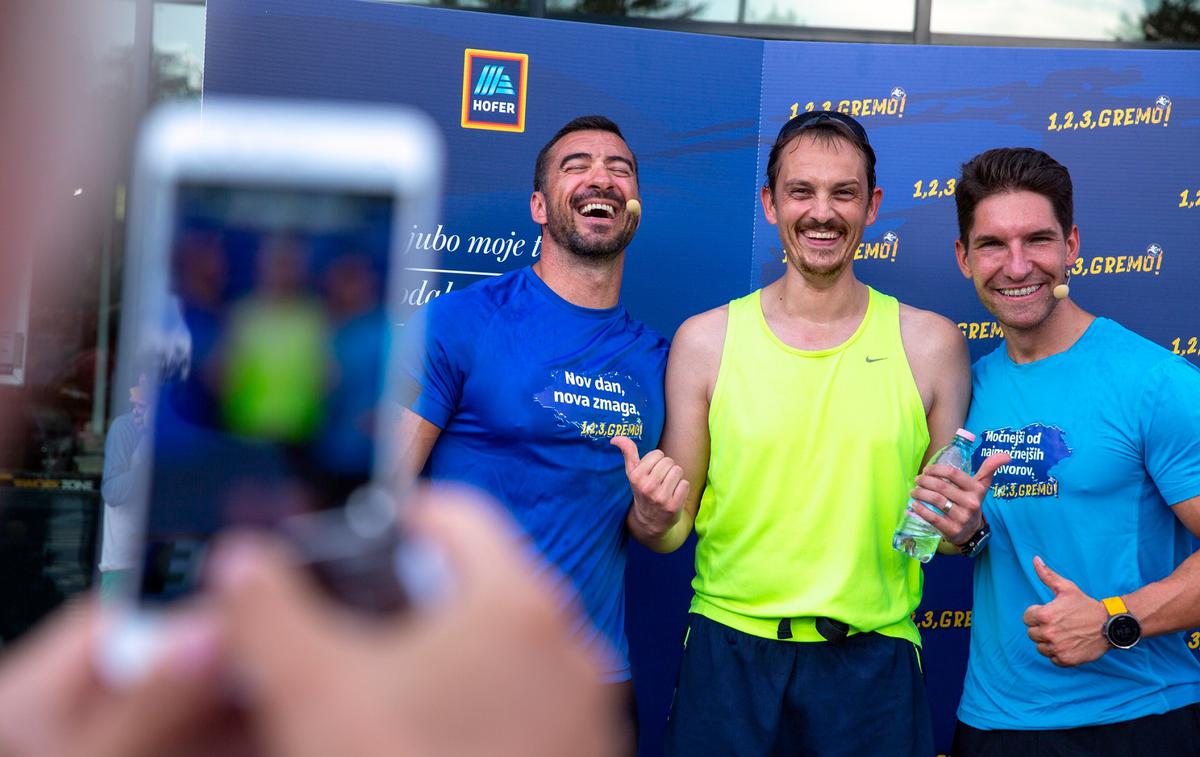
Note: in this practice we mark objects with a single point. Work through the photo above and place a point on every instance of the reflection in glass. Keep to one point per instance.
(509, 6)
(696, 10)
(876, 15)
(1064, 19)
(178, 57)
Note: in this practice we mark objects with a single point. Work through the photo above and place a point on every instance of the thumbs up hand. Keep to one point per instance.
(1070, 628)
(659, 489)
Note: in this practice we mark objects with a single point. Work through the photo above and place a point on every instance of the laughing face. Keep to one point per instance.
(821, 204)
(589, 177)
(1016, 252)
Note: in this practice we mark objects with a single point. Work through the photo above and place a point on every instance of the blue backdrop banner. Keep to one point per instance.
(701, 113)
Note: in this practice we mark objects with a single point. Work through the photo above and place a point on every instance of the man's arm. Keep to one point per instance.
(941, 366)
(1068, 629)
(1172, 604)
(415, 439)
(124, 450)
(667, 483)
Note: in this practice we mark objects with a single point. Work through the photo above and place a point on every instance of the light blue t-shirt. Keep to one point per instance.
(1105, 437)
(528, 390)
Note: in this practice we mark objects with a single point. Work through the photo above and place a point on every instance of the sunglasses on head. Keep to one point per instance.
(815, 117)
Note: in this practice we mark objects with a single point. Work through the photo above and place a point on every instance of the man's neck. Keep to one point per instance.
(812, 313)
(1057, 333)
(587, 283)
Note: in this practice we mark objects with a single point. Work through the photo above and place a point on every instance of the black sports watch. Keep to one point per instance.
(1121, 629)
(973, 546)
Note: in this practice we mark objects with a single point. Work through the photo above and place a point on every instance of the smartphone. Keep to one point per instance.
(262, 297)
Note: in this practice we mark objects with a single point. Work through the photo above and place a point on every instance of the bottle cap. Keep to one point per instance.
(965, 434)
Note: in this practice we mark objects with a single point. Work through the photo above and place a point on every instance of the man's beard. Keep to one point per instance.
(563, 230)
(823, 266)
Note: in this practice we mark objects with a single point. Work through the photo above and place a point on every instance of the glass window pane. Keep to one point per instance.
(509, 6)
(876, 15)
(178, 63)
(1063, 19)
(691, 10)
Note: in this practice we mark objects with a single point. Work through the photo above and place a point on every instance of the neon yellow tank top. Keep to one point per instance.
(813, 453)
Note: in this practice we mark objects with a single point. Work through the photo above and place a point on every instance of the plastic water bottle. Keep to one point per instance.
(914, 536)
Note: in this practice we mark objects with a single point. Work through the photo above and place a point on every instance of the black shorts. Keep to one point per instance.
(1172, 733)
(745, 696)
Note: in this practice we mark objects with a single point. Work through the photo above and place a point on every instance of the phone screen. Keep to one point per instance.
(281, 337)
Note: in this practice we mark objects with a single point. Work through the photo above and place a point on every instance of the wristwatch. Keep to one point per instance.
(973, 546)
(1121, 629)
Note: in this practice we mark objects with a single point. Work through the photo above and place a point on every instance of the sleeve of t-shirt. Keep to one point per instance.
(120, 469)
(1172, 430)
(434, 361)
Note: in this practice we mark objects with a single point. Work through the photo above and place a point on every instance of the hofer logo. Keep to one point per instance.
(494, 86)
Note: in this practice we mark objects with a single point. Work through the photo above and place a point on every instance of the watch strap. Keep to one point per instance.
(1115, 606)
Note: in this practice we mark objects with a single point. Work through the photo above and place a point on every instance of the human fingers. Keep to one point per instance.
(679, 494)
(1054, 581)
(1036, 634)
(477, 539)
(947, 526)
(671, 484)
(944, 495)
(987, 469)
(42, 677)
(168, 711)
(657, 476)
(951, 476)
(1030, 616)
(648, 463)
(286, 648)
(629, 451)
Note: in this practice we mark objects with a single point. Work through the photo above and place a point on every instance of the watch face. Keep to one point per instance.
(1123, 631)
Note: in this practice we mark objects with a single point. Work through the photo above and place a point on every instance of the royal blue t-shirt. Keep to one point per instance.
(528, 390)
(1104, 437)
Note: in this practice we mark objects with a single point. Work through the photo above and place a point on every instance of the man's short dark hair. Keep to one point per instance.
(1013, 169)
(583, 123)
(825, 125)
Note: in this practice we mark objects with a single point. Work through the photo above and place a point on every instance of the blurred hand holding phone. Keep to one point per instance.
(261, 296)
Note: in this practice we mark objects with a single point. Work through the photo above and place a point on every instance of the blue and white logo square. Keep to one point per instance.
(494, 89)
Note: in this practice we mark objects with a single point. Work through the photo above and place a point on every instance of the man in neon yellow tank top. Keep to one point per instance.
(797, 418)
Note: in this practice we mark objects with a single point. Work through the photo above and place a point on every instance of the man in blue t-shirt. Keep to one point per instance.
(525, 379)
(1085, 578)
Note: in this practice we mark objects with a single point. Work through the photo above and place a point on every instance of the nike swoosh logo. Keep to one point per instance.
(875, 359)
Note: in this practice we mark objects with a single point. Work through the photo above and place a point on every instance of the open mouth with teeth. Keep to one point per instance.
(821, 235)
(1019, 291)
(820, 238)
(600, 210)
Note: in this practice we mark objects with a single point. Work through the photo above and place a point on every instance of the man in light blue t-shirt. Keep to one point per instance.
(524, 380)
(1085, 576)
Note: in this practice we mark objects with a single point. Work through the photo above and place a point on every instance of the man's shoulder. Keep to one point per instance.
(123, 424)
(1113, 336)
(1125, 349)
(927, 334)
(460, 310)
(703, 329)
(699, 343)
